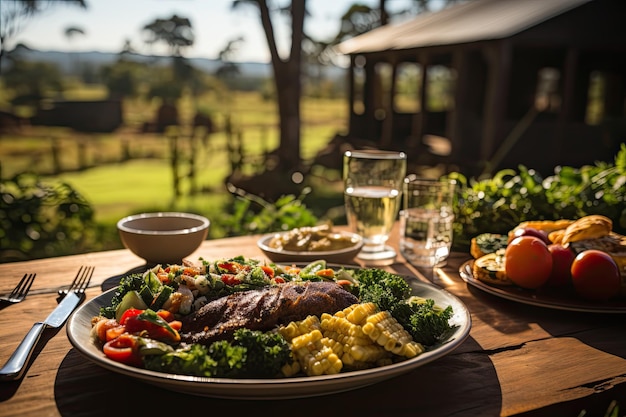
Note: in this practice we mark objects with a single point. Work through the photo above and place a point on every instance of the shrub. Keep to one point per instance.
(498, 204)
(39, 220)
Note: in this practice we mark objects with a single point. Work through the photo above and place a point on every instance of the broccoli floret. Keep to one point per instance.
(132, 282)
(427, 323)
(250, 354)
(382, 288)
(230, 360)
(189, 360)
(266, 352)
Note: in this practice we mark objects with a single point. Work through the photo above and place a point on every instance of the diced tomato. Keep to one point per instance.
(176, 325)
(268, 270)
(115, 332)
(166, 315)
(164, 277)
(192, 272)
(230, 279)
(131, 312)
(153, 324)
(123, 349)
(232, 267)
(279, 280)
(325, 273)
(344, 283)
(102, 326)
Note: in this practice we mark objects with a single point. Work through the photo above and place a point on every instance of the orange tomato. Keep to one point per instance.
(528, 262)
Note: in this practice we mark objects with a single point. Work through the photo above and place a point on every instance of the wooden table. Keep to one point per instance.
(518, 359)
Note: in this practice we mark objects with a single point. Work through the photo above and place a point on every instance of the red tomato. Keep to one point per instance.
(131, 312)
(562, 259)
(123, 349)
(230, 279)
(528, 262)
(155, 326)
(530, 231)
(268, 270)
(595, 275)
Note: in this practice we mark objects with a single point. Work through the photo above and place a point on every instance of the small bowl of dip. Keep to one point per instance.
(306, 244)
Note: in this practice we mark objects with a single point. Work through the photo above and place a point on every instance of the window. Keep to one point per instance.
(440, 86)
(408, 80)
(547, 95)
(358, 103)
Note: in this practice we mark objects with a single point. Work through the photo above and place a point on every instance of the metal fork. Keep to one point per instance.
(19, 292)
(17, 363)
(80, 282)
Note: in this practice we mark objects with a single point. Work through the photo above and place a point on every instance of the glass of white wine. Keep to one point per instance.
(373, 191)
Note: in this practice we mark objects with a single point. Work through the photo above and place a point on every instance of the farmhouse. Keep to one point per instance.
(533, 82)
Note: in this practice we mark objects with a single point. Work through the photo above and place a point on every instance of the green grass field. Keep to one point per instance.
(116, 186)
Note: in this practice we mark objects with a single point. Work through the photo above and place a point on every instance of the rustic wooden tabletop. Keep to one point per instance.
(519, 359)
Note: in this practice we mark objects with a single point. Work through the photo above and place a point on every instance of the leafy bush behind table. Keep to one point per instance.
(39, 219)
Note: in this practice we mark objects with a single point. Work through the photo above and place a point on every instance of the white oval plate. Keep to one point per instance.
(79, 334)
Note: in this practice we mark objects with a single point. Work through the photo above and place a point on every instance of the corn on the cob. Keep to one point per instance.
(357, 346)
(297, 328)
(386, 331)
(359, 337)
(361, 312)
(316, 354)
(291, 368)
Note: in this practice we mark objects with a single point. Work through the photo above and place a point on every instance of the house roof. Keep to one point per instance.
(471, 21)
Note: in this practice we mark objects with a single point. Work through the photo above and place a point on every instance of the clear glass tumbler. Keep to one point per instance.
(426, 221)
(373, 193)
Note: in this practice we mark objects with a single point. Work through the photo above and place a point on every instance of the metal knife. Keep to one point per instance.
(16, 365)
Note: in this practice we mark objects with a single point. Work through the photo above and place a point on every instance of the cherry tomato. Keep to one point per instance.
(530, 231)
(123, 349)
(595, 275)
(528, 262)
(562, 259)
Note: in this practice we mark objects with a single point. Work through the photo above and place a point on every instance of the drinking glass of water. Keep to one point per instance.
(426, 221)
(373, 192)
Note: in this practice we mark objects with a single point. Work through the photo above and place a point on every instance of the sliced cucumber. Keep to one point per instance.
(153, 282)
(131, 299)
(160, 299)
(310, 269)
(146, 294)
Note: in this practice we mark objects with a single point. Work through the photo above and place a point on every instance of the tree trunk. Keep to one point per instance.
(287, 83)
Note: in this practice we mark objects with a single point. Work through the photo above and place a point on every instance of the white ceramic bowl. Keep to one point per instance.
(163, 237)
(339, 256)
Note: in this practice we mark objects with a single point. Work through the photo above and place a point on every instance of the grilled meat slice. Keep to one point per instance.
(263, 309)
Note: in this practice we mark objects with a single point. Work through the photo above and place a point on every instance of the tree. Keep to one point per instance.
(228, 68)
(176, 32)
(287, 73)
(14, 14)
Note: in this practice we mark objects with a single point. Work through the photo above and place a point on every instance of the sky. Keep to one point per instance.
(108, 23)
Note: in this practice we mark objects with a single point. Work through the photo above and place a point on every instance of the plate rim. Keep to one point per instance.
(263, 240)
(465, 271)
(271, 388)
